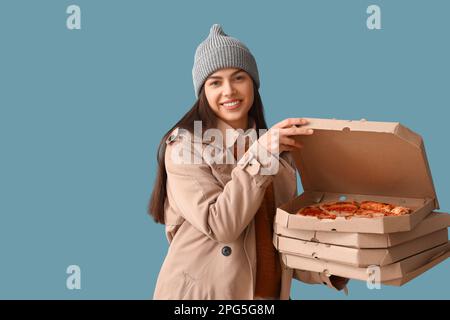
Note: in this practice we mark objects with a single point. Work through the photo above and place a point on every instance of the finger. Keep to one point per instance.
(295, 131)
(290, 122)
(303, 122)
(290, 142)
(287, 141)
(285, 147)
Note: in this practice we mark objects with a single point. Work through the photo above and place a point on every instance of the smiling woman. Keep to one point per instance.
(219, 218)
(230, 95)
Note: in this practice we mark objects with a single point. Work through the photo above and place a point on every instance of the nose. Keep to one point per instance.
(228, 89)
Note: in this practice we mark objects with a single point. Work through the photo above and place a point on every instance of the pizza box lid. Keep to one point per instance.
(393, 274)
(364, 157)
(433, 222)
(356, 256)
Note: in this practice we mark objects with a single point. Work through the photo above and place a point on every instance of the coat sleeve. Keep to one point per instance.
(220, 212)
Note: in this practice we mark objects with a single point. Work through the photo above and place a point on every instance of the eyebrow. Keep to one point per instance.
(218, 77)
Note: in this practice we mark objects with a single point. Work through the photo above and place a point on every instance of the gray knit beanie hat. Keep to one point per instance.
(220, 51)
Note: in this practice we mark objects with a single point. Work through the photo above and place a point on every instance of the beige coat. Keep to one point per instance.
(209, 214)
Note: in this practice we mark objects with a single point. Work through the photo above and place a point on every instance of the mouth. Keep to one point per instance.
(231, 104)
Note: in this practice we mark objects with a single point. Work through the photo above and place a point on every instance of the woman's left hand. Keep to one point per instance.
(339, 282)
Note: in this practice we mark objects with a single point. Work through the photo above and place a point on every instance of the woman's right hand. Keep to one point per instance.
(279, 138)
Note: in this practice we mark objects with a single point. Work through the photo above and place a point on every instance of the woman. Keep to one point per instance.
(218, 213)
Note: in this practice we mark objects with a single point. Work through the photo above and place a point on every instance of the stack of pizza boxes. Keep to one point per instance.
(363, 161)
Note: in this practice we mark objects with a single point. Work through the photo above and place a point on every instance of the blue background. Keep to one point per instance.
(82, 113)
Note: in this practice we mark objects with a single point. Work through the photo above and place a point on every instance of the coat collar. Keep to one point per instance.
(229, 134)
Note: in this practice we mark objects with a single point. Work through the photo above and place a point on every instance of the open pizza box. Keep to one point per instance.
(361, 160)
(359, 257)
(433, 222)
(396, 274)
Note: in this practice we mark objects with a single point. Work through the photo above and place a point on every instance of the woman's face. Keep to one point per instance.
(230, 95)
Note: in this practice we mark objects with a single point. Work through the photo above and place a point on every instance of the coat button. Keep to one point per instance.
(226, 251)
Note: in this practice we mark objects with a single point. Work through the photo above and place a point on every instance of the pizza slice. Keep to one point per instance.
(315, 211)
(341, 208)
(399, 211)
(367, 213)
(377, 206)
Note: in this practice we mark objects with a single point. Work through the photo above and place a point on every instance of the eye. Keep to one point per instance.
(239, 77)
(214, 83)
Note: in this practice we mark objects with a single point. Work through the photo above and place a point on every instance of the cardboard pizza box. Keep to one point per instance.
(433, 222)
(359, 257)
(417, 272)
(361, 160)
(393, 274)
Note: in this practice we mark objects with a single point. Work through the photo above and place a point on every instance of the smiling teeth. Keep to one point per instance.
(231, 104)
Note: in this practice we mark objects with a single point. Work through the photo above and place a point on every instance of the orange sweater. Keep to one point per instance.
(268, 267)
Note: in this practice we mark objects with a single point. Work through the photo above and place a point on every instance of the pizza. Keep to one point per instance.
(377, 206)
(340, 208)
(349, 209)
(399, 211)
(316, 211)
(369, 213)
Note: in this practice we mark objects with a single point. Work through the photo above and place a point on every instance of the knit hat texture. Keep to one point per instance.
(220, 51)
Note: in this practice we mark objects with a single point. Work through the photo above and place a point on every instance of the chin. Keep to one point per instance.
(234, 117)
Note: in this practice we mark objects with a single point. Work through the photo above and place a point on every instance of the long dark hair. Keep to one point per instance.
(200, 111)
